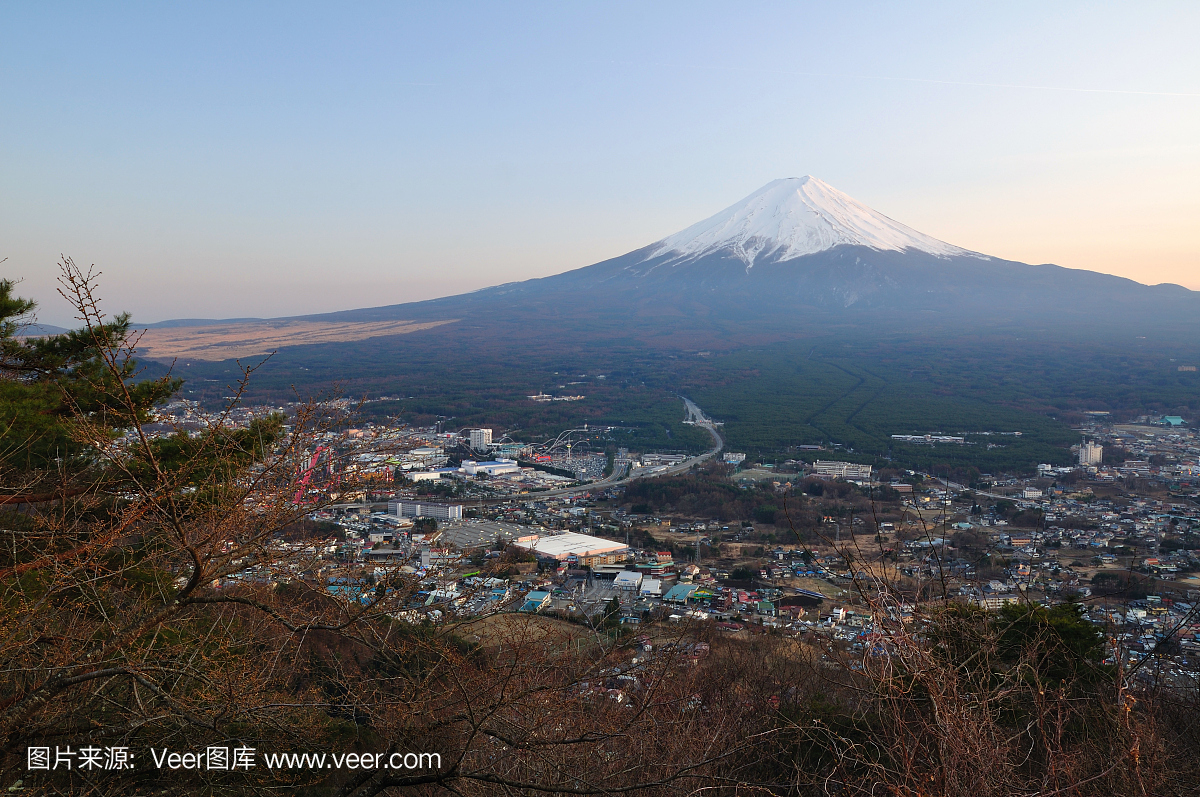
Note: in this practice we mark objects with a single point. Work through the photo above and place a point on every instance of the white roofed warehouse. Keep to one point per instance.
(583, 549)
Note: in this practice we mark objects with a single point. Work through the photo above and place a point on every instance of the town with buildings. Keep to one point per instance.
(485, 526)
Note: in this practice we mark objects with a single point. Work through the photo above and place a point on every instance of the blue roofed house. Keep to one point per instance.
(536, 600)
(680, 593)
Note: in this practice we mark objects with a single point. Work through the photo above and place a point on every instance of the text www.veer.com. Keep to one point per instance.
(353, 760)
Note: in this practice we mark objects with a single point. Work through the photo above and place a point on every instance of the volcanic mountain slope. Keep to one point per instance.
(800, 249)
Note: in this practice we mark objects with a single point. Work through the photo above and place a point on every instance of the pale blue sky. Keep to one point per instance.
(254, 159)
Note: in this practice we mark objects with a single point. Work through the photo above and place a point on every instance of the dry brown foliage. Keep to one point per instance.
(161, 607)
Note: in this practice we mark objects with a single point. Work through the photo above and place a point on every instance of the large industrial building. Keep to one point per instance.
(842, 470)
(496, 467)
(583, 549)
(416, 509)
(649, 460)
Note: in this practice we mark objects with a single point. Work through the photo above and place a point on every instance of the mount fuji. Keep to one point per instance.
(786, 219)
(798, 251)
(795, 257)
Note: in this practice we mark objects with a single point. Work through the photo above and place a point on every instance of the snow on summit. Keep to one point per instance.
(794, 217)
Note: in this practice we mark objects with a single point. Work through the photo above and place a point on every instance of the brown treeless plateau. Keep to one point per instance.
(221, 341)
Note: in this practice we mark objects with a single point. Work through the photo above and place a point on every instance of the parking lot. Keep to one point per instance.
(473, 534)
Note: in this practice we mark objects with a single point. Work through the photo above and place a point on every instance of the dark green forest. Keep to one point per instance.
(850, 390)
(775, 399)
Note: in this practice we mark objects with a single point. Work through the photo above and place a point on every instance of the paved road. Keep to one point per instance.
(963, 488)
(700, 419)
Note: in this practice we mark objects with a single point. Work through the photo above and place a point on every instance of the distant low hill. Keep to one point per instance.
(38, 330)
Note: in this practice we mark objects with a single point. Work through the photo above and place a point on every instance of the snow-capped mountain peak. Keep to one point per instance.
(793, 217)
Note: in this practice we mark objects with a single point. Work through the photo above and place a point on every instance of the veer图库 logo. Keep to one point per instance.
(213, 758)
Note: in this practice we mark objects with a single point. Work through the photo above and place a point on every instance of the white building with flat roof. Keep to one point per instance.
(1091, 454)
(430, 475)
(650, 460)
(842, 470)
(585, 548)
(494, 468)
(628, 581)
(421, 509)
